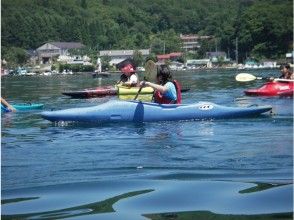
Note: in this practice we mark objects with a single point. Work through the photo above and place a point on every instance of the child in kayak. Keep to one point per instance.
(286, 72)
(167, 91)
(129, 76)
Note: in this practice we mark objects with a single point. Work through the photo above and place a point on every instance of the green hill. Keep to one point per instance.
(264, 28)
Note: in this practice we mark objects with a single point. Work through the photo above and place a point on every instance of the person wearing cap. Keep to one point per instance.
(129, 76)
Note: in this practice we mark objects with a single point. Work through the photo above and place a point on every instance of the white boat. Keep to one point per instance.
(47, 73)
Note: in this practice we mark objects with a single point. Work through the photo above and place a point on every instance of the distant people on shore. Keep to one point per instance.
(129, 76)
(7, 105)
(286, 72)
(167, 91)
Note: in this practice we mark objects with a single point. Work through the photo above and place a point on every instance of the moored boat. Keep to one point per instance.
(135, 111)
(274, 88)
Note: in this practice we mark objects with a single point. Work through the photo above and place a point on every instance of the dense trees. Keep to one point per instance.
(264, 28)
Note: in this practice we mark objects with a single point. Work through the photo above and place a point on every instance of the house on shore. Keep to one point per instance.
(51, 50)
(116, 56)
(191, 42)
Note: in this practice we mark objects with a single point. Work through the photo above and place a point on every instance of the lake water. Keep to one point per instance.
(220, 169)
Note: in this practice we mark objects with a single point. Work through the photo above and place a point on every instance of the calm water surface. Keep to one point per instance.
(221, 169)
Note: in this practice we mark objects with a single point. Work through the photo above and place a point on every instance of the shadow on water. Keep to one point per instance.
(210, 215)
(152, 200)
(87, 209)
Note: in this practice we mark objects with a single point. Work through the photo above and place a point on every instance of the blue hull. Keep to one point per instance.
(133, 111)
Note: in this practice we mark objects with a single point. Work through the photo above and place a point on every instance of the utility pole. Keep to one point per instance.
(237, 50)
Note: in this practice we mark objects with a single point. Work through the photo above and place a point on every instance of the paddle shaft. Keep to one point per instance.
(150, 74)
(138, 93)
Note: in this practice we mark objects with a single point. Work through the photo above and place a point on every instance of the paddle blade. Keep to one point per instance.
(150, 71)
(149, 75)
(245, 77)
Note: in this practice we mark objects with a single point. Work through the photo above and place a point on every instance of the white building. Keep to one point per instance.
(116, 56)
(54, 49)
(191, 41)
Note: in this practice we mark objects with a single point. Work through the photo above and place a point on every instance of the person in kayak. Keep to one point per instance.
(286, 72)
(129, 76)
(7, 105)
(167, 91)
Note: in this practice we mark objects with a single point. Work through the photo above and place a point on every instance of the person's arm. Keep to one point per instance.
(160, 88)
(7, 105)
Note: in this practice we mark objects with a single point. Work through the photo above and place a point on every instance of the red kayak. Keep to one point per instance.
(274, 88)
(91, 93)
(109, 91)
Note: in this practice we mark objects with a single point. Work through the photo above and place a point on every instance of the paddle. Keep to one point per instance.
(247, 77)
(149, 74)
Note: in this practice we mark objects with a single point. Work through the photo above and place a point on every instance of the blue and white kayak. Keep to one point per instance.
(136, 111)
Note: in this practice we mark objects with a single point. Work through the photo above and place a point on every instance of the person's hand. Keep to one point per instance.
(12, 109)
(142, 83)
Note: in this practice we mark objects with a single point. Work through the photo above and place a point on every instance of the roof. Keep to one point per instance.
(194, 37)
(61, 45)
(163, 56)
(216, 54)
(122, 52)
(68, 45)
(170, 55)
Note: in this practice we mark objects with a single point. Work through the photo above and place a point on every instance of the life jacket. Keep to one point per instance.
(161, 99)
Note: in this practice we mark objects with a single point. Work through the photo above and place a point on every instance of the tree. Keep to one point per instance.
(138, 58)
(16, 56)
(105, 62)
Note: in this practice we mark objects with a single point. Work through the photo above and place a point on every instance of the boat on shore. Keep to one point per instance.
(136, 111)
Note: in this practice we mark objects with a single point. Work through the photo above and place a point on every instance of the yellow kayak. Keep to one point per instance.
(141, 97)
(125, 90)
(129, 93)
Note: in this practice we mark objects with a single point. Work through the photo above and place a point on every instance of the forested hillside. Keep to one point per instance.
(264, 28)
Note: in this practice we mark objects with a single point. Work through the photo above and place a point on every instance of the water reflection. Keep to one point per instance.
(152, 199)
(104, 206)
(175, 159)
